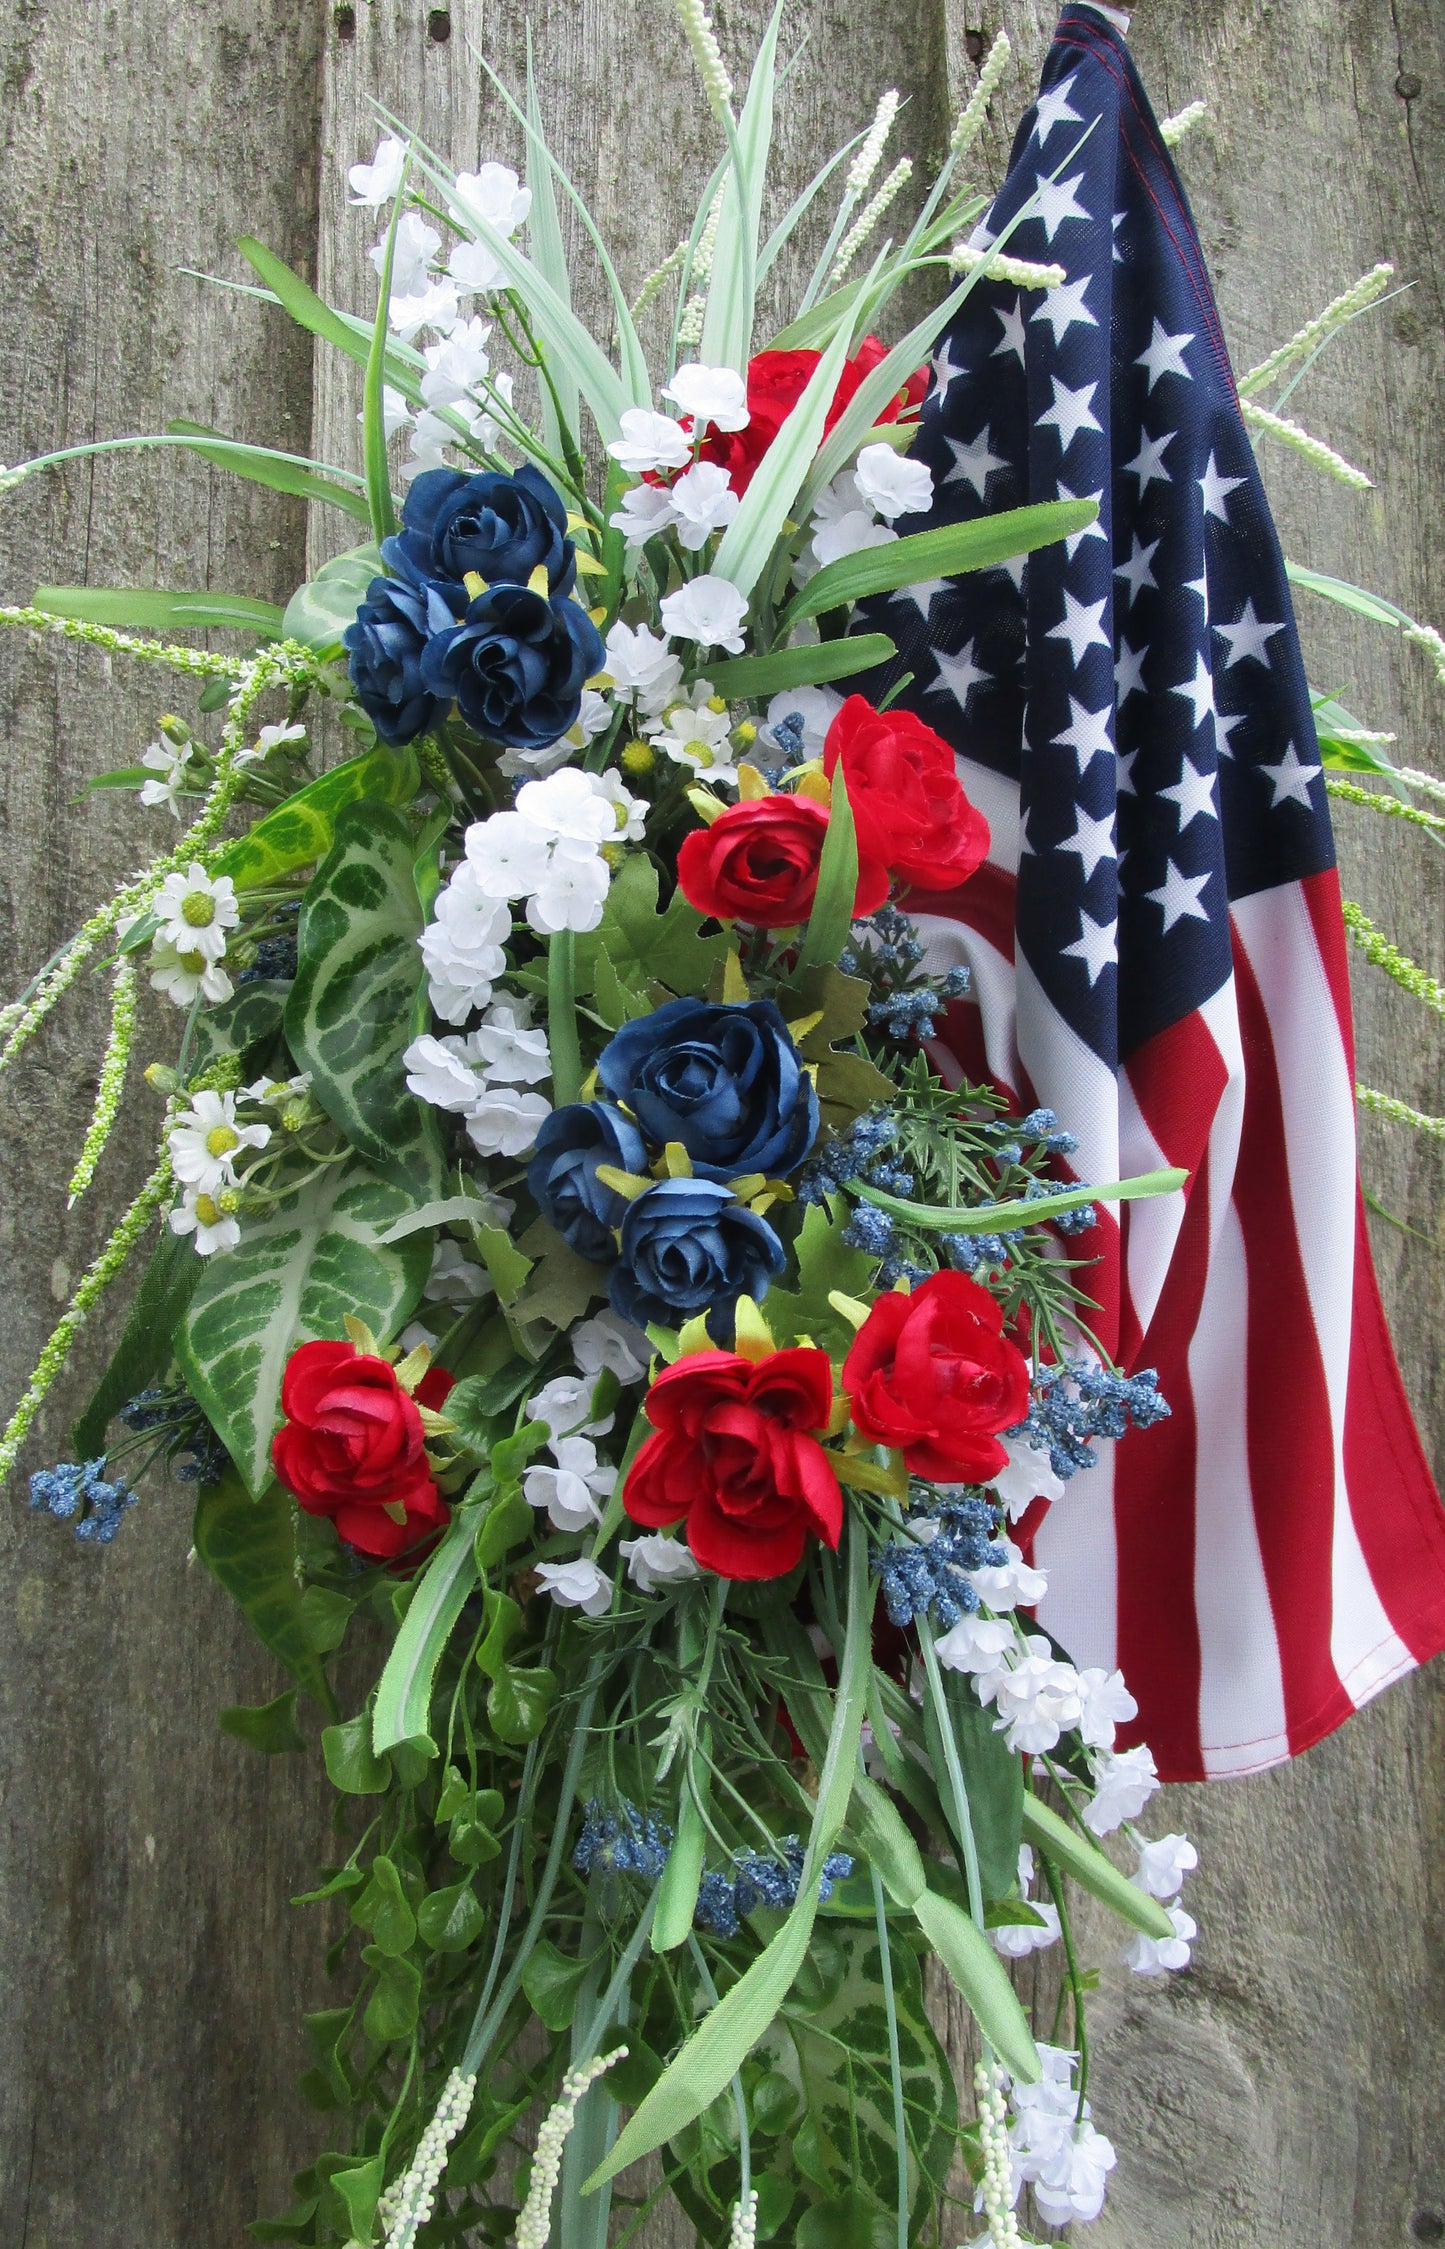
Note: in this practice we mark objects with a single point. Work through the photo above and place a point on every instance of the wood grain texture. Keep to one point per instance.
(154, 1974)
(1284, 2091)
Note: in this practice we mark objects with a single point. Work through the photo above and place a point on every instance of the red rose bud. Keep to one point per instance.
(934, 1376)
(736, 1457)
(908, 805)
(776, 381)
(758, 863)
(352, 1447)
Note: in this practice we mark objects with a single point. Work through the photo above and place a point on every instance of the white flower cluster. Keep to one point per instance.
(859, 508)
(459, 378)
(1054, 2146)
(1016, 1940)
(409, 2201)
(548, 848)
(481, 1078)
(534, 2225)
(205, 1142)
(571, 1486)
(657, 1560)
(193, 913)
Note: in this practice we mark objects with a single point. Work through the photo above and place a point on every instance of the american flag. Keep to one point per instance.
(1157, 954)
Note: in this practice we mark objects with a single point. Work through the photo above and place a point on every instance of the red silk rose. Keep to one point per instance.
(908, 803)
(735, 1454)
(758, 863)
(934, 1376)
(776, 381)
(352, 1447)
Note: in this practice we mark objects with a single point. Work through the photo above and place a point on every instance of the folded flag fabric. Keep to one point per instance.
(1157, 953)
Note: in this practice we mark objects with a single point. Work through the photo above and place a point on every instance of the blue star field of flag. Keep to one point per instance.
(1141, 680)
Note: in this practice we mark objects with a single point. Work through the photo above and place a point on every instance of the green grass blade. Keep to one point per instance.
(987, 1218)
(403, 1695)
(727, 334)
(404, 367)
(1099, 1876)
(744, 678)
(260, 465)
(832, 915)
(941, 553)
(373, 416)
(798, 209)
(142, 609)
(545, 234)
(1339, 590)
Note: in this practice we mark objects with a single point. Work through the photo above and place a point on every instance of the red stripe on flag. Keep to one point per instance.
(1291, 1453)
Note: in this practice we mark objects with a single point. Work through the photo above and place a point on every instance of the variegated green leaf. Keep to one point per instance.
(355, 1004)
(301, 830)
(300, 1267)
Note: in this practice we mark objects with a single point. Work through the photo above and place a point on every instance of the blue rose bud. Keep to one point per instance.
(515, 665)
(688, 1247)
(728, 1082)
(385, 645)
(562, 1174)
(500, 526)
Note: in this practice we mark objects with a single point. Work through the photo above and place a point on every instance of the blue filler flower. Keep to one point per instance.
(688, 1247)
(562, 1175)
(727, 1082)
(621, 1841)
(76, 1491)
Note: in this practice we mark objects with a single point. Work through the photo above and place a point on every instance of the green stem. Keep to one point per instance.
(1075, 1980)
(957, 1788)
(562, 1035)
(895, 2060)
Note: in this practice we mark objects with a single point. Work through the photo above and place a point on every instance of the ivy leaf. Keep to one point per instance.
(508, 1521)
(249, 1546)
(518, 1702)
(352, 1765)
(271, 1727)
(825, 1263)
(392, 2010)
(360, 2191)
(360, 984)
(847, 1083)
(561, 1284)
(551, 1982)
(383, 1908)
(645, 945)
(299, 1268)
(325, 1615)
(503, 1620)
(449, 1920)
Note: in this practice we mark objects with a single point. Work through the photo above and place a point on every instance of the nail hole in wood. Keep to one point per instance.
(345, 20)
(1428, 2225)
(439, 26)
(973, 42)
(1409, 89)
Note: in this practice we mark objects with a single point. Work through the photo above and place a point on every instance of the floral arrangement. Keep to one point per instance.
(568, 1287)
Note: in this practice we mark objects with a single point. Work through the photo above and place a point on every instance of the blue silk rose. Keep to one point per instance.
(515, 665)
(688, 1247)
(728, 1082)
(562, 1174)
(500, 526)
(385, 645)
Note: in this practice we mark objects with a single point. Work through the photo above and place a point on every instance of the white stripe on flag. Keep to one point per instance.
(953, 944)
(997, 798)
(1077, 1544)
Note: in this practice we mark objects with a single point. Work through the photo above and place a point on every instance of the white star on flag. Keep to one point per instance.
(1248, 637)
(1148, 462)
(1064, 308)
(1057, 203)
(1178, 896)
(944, 371)
(1070, 412)
(1075, 539)
(1094, 946)
(1193, 793)
(1080, 627)
(1013, 333)
(1216, 490)
(957, 675)
(1290, 780)
(1199, 691)
(1136, 572)
(1053, 109)
(1165, 355)
(1129, 673)
(923, 594)
(974, 463)
(1224, 724)
(1092, 840)
(1087, 734)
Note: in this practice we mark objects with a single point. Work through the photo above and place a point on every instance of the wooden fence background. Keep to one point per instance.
(1287, 2090)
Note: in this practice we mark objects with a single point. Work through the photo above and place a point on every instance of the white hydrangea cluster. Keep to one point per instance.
(548, 849)
(1055, 2147)
(483, 1078)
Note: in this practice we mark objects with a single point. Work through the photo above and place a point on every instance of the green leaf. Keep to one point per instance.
(144, 1350)
(138, 609)
(452, 1919)
(647, 946)
(508, 1522)
(850, 2221)
(727, 335)
(319, 612)
(980, 1975)
(552, 1982)
(275, 470)
(746, 678)
(373, 418)
(503, 1620)
(271, 1727)
(518, 1703)
(1048, 1833)
(681, 1878)
(392, 2010)
(717, 2048)
(1374, 606)
(247, 1025)
(544, 233)
(746, 545)
(404, 369)
(943, 553)
(986, 1218)
(360, 984)
(561, 1284)
(829, 2051)
(299, 1268)
(352, 1765)
(383, 1909)
(993, 1777)
(825, 1263)
(326, 1616)
(302, 829)
(403, 1694)
(505, 1263)
(831, 921)
(360, 2191)
(249, 1545)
